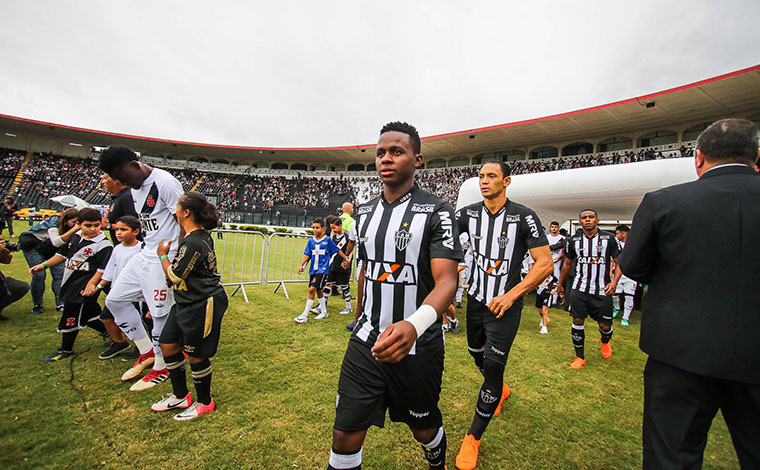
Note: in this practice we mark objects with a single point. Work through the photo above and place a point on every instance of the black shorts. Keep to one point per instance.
(408, 389)
(339, 278)
(493, 336)
(543, 300)
(196, 326)
(598, 307)
(318, 280)
(76, 315)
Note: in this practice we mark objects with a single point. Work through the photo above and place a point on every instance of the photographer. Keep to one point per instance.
(11, 290)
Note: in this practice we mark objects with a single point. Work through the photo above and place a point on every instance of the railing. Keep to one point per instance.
(240, 258)
(283, 258)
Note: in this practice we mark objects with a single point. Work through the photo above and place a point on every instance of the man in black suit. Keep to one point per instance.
(695, 245)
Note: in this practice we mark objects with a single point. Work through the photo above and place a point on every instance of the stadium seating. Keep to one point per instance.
(283, 193)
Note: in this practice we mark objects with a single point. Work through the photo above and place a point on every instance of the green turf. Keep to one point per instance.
(275, 383)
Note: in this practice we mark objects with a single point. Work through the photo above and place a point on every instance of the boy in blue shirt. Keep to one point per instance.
(319, 249)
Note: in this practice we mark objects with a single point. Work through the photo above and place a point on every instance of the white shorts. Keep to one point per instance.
(143, 280)
(626, 285)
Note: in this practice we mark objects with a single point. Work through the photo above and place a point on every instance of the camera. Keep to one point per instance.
(11, 246)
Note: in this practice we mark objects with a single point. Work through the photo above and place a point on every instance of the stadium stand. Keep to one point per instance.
(272, 196)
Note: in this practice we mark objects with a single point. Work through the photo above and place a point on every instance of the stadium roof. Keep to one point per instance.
(734, 94)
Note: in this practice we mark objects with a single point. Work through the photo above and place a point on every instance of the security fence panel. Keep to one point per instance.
(241, 256)
(284, 256)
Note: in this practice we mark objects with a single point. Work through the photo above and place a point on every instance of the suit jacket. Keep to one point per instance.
(696, 246)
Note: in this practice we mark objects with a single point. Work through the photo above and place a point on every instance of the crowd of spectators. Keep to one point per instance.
(48, 175)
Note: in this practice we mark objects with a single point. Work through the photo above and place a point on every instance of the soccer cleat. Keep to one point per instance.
(114, 350)
(57, 355)
(544, 330)
(346, 311)
(321, 315)
(131, 356)
(624, 322)
(505, 393)
(143, 362)
(578, 363)
(458, 305)
(302, 318)
(606, 350)
(151, 379)
(195, 410)
(172, 403)
(467, 459)
(36, 310)
(350, 326)
(445, 327)
(615, 312)
(315, 310)
(454, 327)
(59, 308)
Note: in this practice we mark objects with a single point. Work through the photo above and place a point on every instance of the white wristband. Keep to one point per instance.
(423, 318)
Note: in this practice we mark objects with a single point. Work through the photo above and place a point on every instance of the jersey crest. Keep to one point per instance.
(402, 239)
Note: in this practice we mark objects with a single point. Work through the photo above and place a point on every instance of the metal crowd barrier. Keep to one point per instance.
(284, 254)
(240, 258)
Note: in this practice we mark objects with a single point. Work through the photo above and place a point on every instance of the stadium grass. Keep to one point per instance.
(274, 386)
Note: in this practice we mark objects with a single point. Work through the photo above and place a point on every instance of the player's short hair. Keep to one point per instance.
(318, 221)
(553, 222)
(333, 220)
(88, 214)
(623, 228)
(204, 212)
(115, 156)
(729, 140)
(407, 129)
(588, 210)
(563, 232)
(505, 169)
(130, 221)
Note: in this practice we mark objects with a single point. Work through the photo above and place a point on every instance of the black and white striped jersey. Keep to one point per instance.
(499, 242)
(395, 244)
(592, 257)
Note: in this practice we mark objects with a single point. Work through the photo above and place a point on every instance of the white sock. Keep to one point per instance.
(309, 303)
(628, 306)
(128, 318)
(459, 295)
(144, 344)
(615, 302)
(323, 303)
(158, 327)
(348, 304)
(339, 461)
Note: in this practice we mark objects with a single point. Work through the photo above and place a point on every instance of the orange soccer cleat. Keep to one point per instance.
(505, 393)
(468, 454)
(606, 350)
(578, 363)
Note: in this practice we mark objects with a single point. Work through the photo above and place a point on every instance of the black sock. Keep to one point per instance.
(479, 357)
(579, 336)
(176, 365)
(202, 380)
(67, 340)
(488, 398)
(98, 326)
(435, 451)
(326, 292)
(346, 291)
(606, 335)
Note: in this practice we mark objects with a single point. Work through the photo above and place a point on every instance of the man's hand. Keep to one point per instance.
(163, 249)
(561, 290)
(609, 289)
(35, 269)
(501, 304)
(2, 244)
(395, 342)
(300, 269)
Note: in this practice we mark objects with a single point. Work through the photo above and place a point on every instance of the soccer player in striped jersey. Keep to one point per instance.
(409, 251)
(593, 251)
(500, 233)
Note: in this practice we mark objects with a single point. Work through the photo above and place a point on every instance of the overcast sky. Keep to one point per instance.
(330, 73)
